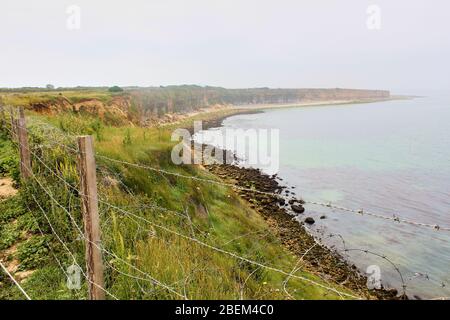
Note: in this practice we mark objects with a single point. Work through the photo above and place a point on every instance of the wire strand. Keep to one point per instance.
(359, 212)
(15, 281)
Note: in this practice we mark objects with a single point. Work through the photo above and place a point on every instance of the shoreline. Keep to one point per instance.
(217, 117)
(320, 103)
(284, 217)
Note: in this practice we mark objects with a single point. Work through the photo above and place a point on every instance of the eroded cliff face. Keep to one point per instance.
(115, 111)
(282, 96)
(118, 105)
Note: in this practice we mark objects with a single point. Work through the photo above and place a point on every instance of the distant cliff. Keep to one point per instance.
(143, 104)
(188, 98)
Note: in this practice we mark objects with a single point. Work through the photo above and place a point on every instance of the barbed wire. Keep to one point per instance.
(115, 207)
(360, 212)
(57, 235)
(81, 234)
(367, 251)
(99, 199)
(385, 258)
(152, 206)
(155, 282)
(68, 250)
(228, 252)
(217, 249)
(168, 210)
(43, 234)
(148, 206)
(403, 279)
(425, 276)
(297, 267)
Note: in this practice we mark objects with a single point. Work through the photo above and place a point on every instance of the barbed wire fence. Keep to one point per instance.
(54, 138)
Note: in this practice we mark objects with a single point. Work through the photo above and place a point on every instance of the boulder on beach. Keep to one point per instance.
(297, 208)
(309, 220)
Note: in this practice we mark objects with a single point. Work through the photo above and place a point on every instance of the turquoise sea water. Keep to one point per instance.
(391, 158)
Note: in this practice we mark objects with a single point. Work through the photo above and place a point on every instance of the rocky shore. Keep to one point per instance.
(287, 219)
(216, 121)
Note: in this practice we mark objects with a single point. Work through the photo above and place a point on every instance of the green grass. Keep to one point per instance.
(211, 213)
(28, 98)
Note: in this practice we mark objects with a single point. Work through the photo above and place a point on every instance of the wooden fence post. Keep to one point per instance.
(94, 263)
(24, 148)
(21, 112)
(13, 124)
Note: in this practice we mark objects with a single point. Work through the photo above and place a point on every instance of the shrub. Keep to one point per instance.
(8, 236)
(33, 253)
(127, 138)
(9, 162)
(115, 89)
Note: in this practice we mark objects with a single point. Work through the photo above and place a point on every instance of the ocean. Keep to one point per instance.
(391, 158)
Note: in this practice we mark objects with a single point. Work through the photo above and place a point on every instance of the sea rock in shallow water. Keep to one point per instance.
(309, 220)
(297, 208)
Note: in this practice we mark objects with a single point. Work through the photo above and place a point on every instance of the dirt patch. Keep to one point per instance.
(7, 188)
(9, 259)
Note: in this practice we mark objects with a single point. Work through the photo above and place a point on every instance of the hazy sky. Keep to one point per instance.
(230, 43)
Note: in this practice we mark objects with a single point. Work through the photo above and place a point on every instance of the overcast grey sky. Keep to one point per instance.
(230, 43)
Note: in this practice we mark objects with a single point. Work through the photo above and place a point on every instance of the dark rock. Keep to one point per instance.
(297, 208)
(310, 220)
(323, 217)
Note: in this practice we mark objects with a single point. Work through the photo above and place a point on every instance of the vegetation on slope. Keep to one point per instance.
(215, 215)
